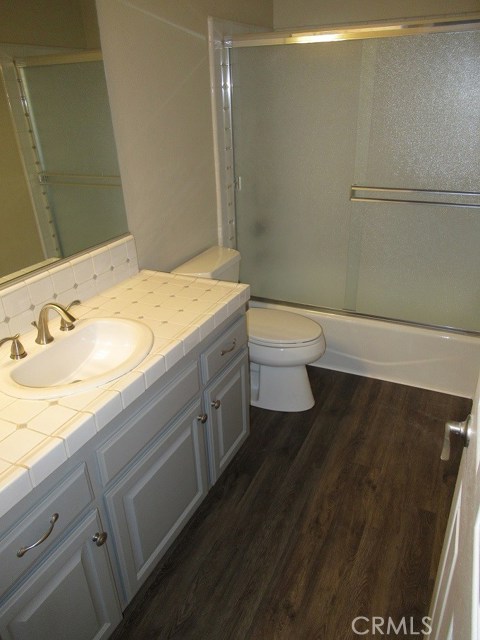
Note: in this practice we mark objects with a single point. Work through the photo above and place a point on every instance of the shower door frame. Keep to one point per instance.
(226, 36)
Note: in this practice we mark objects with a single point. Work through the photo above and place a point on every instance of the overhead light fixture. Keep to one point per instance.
(316, 37)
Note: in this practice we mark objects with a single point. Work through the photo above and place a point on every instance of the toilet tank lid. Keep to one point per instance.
(208, 263)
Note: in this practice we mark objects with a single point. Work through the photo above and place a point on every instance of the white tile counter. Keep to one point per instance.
(37, 436)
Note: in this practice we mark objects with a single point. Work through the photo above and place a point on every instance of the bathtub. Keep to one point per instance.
(433, 359)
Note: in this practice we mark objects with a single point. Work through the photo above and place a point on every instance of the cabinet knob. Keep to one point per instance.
(203, 418)
(216, 404)
(100, 538)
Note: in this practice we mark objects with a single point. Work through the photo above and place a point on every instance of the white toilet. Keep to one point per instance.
(280, 343)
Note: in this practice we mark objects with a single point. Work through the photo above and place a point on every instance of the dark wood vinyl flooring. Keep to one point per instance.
(323, 516)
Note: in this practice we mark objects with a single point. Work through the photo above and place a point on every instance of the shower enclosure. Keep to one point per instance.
(357, 174)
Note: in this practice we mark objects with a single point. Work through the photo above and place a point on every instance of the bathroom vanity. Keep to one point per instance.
(99, 523)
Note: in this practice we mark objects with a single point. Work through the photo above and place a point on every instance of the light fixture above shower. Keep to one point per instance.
(316, 37)
(363, 31)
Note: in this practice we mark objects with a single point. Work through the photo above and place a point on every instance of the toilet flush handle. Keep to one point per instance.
(460, 428)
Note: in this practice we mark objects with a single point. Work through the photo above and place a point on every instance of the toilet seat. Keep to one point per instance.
(281, 329)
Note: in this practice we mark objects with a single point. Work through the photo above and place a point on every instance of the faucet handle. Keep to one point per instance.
(67, 325)
(17, 352)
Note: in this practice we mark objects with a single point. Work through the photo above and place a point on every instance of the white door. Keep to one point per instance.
(456, 598)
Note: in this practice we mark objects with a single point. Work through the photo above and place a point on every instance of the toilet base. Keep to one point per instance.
(280, 388)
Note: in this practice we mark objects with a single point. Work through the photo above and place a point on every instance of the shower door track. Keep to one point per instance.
(358, 31)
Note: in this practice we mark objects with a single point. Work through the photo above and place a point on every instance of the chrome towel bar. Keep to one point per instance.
(415, 196)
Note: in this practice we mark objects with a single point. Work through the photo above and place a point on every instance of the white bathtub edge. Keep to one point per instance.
(441, 361)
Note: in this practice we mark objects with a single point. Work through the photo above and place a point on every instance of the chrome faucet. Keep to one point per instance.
(44, 336)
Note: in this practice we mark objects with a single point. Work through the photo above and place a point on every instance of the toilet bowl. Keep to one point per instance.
(280, 343)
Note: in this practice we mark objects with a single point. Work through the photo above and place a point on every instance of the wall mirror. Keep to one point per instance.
(59, 178)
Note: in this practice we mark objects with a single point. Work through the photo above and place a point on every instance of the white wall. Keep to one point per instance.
(53, 23)
(317, 12)
(156, 61)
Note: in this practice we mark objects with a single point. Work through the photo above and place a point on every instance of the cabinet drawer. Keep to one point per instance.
(223, 350)
(117, 452)
(68, 500)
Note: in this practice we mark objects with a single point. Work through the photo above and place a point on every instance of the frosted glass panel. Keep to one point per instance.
(420, 112)
(422, 267)
(72, 118)
(87, 214)
(295, 111)
(310, 122)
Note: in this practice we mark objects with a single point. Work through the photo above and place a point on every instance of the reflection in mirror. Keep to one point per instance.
(60, 184)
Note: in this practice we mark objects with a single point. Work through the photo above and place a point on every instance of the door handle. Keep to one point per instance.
(459, 428)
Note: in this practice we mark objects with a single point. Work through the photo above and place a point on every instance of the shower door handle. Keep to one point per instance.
(460, 428)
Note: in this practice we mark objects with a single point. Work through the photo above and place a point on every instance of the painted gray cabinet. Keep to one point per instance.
(139, 480)
(149, 505)
(226, 402)
(70, 596)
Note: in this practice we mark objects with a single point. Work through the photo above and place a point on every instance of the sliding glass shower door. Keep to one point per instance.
(359, 173)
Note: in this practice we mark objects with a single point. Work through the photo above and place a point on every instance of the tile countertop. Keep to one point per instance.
(37, 436)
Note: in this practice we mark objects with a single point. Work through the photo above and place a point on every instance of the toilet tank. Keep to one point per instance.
(217, 263)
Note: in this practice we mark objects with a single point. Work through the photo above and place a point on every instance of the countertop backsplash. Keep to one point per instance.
(78, 279)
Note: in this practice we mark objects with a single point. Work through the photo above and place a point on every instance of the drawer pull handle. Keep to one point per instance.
(23, 550)
(203, 418)
(100, 538)
(230, 349)
(216, 404)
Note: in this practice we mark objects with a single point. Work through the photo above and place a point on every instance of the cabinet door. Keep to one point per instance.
(70, 597)
(227, 405)
(150, 505)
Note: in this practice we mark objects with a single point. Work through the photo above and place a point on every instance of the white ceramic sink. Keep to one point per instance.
(97, 351)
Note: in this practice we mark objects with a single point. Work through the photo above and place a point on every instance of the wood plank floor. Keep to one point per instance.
(323, 516)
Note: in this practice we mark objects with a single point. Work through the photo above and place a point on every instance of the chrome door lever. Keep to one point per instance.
(460, 428)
